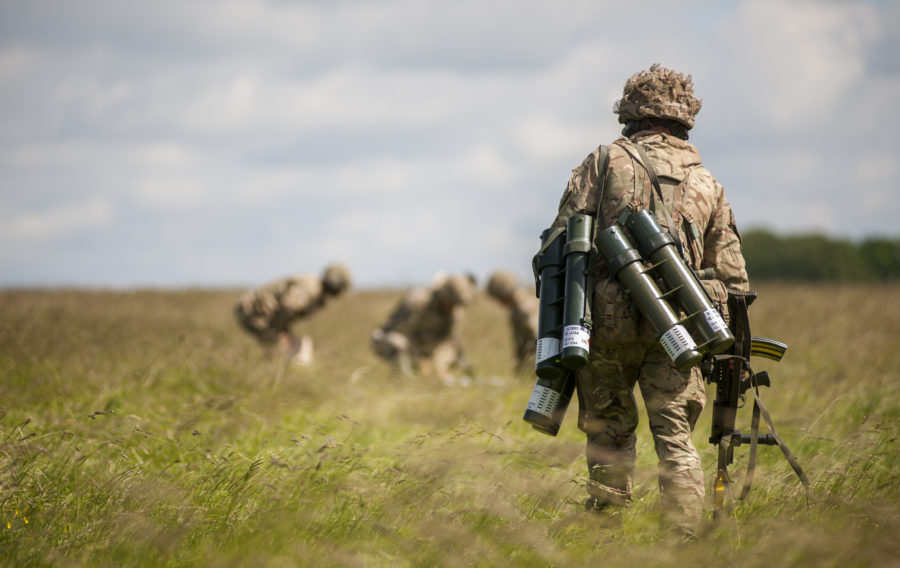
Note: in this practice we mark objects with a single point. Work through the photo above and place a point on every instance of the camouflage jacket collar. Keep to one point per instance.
(671, 146)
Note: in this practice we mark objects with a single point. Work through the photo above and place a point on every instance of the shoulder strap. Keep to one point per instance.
(648, 165)
(591, 282)
(601, 183)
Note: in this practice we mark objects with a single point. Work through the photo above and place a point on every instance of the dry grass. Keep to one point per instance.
(144, 429)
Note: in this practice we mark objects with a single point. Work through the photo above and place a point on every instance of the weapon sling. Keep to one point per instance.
(760, 409)
(724, 435)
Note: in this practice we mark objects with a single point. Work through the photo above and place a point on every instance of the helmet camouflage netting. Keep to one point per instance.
(455, 290)
(502, 285)
(336, 278)
(661, 93)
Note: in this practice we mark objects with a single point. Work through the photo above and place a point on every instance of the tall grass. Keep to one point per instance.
(145, 429)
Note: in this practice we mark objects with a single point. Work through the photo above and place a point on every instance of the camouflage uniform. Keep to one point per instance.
(422, 333)
(523, 315)
(624, 350)
(268, 313)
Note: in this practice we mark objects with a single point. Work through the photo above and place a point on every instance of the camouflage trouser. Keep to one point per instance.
(608, 415)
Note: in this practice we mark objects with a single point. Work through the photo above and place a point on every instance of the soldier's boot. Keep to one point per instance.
(681, 501)
(610, 473)
(405, 363)
(605, 505)
(609, 487)
(603, 497)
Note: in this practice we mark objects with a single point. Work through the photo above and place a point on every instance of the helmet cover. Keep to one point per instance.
(661, 93)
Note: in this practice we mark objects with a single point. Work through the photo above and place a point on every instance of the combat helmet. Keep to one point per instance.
(335, 279)
(455, 290)
(501, 285)
(661, 93)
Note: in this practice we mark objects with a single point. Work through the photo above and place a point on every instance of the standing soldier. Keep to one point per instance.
(268, 313)
(658, 107)
(423, 332)
(523, 315)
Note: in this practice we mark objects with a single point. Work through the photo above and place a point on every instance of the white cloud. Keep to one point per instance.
(58, 220)
(267, 137)
(875, 185)
(790, 62)
(547, 138)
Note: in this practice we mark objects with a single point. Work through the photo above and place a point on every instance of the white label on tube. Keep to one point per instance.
(676, 341)
(715, 321)
(543, 400)
(547, 347)
(576, 336)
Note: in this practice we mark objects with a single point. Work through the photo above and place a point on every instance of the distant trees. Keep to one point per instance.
(814, 257)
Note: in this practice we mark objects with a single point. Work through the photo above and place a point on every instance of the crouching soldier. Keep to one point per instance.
(268, 313)
(523, 315)
(422, 334)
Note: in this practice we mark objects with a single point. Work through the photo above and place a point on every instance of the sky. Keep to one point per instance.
(226, 143)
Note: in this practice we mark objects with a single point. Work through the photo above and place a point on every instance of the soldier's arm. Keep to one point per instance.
(583, 189)
(578, 197)
(722, 246)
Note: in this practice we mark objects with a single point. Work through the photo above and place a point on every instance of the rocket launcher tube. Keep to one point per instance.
(549, 402)
(551, 272)
(576, 333)
(555, 384)
(626, 265)
(657, 246)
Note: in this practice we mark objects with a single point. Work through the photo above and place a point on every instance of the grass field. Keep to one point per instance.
(145, 429)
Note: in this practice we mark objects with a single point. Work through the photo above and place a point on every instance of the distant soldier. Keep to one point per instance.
(423, 332)
(267, 313)
(523, 314)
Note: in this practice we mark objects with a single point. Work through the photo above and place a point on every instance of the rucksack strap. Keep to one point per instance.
(591, 282)
(601, 183)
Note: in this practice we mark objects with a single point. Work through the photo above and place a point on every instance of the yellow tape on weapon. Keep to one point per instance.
(768, 348)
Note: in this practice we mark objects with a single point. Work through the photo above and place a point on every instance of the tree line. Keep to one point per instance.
(814, 257)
